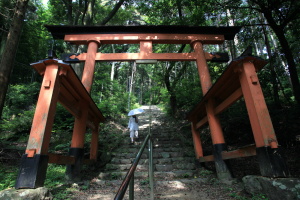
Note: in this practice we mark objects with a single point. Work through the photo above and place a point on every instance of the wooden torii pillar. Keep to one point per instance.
(237, 81)
(60, 84)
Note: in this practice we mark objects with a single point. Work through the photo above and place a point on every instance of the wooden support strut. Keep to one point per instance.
(40, 133)
(33, 167)
(263, 131)
(271, 162)
(197, 142)
(216, 132)
(87, 79)
(239, 153)
(77, 144)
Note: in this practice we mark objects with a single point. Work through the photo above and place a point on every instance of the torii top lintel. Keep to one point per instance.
(171, 34)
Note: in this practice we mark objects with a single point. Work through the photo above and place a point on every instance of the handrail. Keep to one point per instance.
(129, 178)
(130, 173)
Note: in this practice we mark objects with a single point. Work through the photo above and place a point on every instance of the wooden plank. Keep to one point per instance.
(88, 161)
(202, 122)
(221, 107)
(146, 54)
(61, 159)
(239, 153)
(139, 56)
(134, 38)
(236, 95)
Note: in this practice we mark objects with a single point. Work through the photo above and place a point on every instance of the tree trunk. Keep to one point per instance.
(173, 104)
(89, 13)
(69, 6)
(290, 61)
(2, 43)
(112, 73)
(234, 43)
(8, 56)
(279, 31)
(141, 88)
(271, 65)
(170, 87)
(112, 13)
(131, 88)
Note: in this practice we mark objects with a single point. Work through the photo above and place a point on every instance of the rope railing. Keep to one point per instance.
(129, 178)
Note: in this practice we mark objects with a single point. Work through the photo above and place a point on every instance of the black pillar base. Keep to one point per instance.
(73, 171)
(222, 167)
(271, 162)
(32, 171)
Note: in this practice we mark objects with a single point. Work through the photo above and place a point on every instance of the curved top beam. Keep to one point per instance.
(59, 31)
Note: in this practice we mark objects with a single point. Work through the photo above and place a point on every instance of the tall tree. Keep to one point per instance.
(171, 85)
(279, 14)
(6, 7)
(8, 56)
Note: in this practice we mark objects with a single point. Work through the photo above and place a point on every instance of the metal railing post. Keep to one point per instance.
(131, 188)
(151, 174)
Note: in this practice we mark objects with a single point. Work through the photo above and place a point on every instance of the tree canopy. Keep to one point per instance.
(271, 28)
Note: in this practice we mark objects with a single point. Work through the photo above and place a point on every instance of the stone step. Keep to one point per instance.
(155, 154)
(156, 167)
(136, 148)
(159, 143)
(155, 161)
(114, 175)
(159, 139)
(142, 136)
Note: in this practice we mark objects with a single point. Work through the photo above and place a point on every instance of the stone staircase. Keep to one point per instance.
(171, 158)
(175, 173)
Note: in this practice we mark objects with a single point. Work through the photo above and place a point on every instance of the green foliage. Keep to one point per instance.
(63, 193)
(20, 97)
(55, 180)
(8, 176)
(205, 172)
(114, 106)
(115, 176)
(186, 175)
(55, 175)
(145, 181)
(254, 196)
(64, 120)
(18, 111)
(188, 94)
(192, 12)
(18, 128)
(110, 137)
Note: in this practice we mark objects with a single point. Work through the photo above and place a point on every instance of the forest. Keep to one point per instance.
(269, 26)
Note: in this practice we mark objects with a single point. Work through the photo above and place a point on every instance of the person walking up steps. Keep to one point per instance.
(133, 127)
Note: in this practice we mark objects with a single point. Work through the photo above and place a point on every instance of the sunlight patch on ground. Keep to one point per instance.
(178, 185)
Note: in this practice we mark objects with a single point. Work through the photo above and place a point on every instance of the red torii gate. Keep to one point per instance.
(60, 84)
